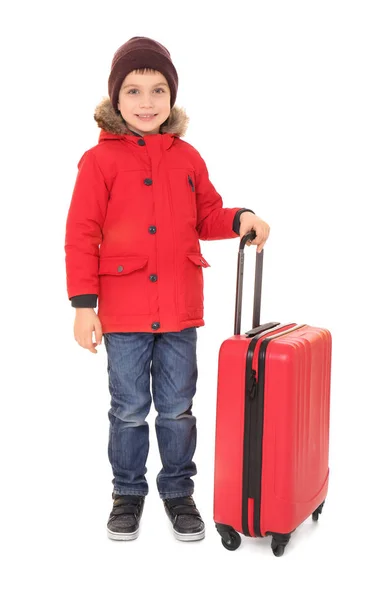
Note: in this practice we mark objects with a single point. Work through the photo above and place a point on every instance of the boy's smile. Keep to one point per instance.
(144, 101)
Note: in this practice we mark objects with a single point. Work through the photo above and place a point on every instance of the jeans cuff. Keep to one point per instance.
(127, 492)
(167, 495)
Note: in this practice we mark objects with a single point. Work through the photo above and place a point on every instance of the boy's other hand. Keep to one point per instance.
(249, 222)
(85, 323)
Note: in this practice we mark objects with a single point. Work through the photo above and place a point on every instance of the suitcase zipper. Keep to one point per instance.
(254, 443)
(251, 389)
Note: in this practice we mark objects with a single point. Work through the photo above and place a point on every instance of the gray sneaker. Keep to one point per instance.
(123, 523)
(185, 518)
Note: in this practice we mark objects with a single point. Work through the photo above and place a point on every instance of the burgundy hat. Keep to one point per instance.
(138, 53)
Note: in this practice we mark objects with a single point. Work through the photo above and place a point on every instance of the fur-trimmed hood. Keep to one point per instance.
(108, 120)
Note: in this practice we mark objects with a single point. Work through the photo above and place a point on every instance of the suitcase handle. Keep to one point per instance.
(239, 284)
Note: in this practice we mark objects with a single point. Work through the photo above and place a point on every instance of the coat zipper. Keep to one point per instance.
(191, 183)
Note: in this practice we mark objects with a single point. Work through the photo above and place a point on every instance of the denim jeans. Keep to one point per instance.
(171, 360)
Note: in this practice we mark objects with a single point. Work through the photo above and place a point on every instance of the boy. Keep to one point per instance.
(141, 202)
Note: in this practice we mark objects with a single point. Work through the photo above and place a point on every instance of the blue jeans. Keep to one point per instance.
(171, 359)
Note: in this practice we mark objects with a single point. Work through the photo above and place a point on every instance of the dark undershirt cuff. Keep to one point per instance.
(236, 220)
(84, 301)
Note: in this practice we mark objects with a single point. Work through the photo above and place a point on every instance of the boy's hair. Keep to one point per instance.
(141, 53)
(145, 70)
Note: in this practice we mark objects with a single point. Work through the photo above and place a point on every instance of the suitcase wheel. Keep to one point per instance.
(278, 550)
(317, 512)
(231, 540)
(279, 541)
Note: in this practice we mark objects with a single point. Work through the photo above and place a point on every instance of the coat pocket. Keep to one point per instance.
(183, 194)
(123, 286)
(191, 192)
(121, 265)
(198, 260)
(193, 281)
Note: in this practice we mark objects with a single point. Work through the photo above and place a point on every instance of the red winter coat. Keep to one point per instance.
(139, 207)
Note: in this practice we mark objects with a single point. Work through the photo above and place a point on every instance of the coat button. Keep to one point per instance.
(155, 325)
(152, 229)
(141, 142)
(120, 268)
(154, 278)
(148, 181)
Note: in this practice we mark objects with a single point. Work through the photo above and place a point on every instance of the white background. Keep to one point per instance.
(284, 100)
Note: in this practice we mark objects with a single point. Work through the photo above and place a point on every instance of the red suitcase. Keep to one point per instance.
(272, 425)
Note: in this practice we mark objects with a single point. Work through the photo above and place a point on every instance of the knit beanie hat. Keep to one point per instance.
(138, 53)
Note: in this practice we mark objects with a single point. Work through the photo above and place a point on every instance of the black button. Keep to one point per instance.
(141, 143)
(120, 268)
(155, 325)
(148, 181)
(153, 278)
(152, 229)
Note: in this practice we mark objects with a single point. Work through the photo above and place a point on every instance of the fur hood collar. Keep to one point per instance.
(108, 120)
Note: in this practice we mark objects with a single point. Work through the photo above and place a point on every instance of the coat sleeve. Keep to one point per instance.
(214, 221)
(86, 215)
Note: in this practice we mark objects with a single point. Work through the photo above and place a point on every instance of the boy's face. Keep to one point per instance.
(141, 95)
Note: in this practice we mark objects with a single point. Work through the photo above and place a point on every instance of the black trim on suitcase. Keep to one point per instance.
(250, 396)
(260, 329)
(253, 426)
(257, 428)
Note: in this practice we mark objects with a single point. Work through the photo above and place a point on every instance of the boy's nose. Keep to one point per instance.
(146, 101)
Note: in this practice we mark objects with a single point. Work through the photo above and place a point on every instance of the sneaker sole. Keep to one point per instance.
(122, 537)
(189, 537)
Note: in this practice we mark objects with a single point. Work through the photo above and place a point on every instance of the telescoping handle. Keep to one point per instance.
(239, 284)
